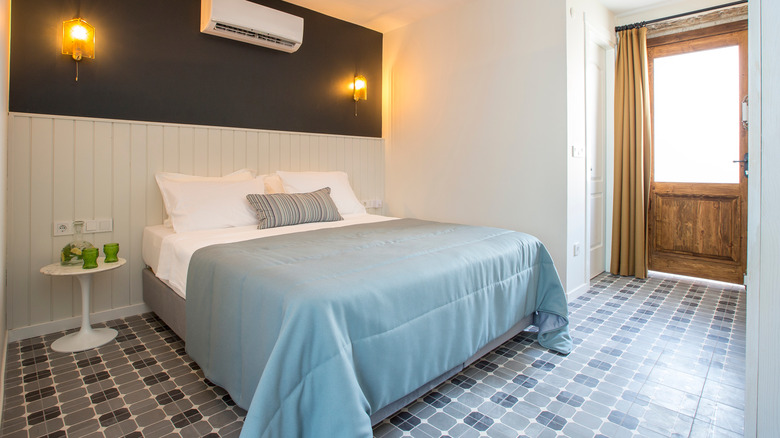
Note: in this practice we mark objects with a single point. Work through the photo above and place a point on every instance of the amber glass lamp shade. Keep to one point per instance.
(78, 39)
(359, 88)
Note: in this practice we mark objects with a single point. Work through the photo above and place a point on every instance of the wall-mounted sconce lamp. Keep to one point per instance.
(78, 40)
(359, 89)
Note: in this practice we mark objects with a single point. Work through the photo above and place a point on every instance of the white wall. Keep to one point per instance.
(762, 398)
(65, 168)
(483, 105)
(476, 118)
(582, 16)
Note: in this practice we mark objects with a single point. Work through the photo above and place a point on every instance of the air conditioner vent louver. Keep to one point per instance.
(252, 34)
(251, 23)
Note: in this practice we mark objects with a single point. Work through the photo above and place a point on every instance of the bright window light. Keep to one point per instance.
(696, 115)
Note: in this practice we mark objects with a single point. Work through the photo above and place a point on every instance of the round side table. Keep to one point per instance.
(87, 337)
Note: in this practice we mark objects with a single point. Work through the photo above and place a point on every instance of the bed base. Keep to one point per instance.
(166, 303)
(170, 307)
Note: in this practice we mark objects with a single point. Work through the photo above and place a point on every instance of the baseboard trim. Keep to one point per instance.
(576, 293)
(65, 324)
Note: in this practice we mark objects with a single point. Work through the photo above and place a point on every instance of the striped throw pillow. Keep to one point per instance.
(282, 209)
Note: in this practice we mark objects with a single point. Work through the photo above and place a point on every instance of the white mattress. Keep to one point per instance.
(168, 253)
(152, 242)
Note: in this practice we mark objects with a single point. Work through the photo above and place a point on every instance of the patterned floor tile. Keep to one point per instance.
(662, 357)
(131, 385)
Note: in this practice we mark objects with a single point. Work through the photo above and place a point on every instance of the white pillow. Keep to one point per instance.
(340, 190)
(205, 205)
(163, 178)
(272, 183)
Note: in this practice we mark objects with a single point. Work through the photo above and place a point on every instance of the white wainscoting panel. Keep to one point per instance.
(68, 168)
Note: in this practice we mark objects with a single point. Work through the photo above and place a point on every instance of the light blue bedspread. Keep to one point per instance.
(312, 332)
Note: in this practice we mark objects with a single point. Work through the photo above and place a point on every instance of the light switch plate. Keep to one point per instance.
(105, 225)
(63, 228)
(90, 226)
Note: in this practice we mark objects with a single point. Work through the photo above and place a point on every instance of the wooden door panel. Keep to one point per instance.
(695, 229)
(697, 225)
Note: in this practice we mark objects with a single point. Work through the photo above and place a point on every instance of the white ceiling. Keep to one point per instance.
(380, 15)
(386, 15)
(620, 7)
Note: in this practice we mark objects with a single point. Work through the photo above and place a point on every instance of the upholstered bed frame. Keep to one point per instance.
(170, 307)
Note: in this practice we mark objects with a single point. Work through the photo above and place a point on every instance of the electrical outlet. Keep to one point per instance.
(90, 226)
(63, 228)
(373, 203)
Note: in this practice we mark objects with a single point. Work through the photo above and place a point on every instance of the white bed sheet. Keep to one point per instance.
(168, 253)
(152, 242)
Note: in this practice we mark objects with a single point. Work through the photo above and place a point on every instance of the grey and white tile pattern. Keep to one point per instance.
(662, 357)
(142, 384)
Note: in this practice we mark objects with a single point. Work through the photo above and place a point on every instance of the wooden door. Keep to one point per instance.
(698, 227)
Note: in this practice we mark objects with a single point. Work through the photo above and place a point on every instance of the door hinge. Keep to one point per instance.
(745, 107)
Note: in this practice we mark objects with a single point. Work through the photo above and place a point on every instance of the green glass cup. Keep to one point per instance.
(111, 250)
(89, 255)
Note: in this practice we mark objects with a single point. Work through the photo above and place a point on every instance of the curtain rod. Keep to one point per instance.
(684, 14)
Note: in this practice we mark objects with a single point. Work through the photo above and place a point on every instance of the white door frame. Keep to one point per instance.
(762, 385)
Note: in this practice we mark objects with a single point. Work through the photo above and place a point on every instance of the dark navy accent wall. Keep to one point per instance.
(153, 64)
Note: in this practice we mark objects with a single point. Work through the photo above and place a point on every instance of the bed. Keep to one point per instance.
(323, 329)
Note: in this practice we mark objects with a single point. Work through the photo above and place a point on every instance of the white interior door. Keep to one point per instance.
(595, 130)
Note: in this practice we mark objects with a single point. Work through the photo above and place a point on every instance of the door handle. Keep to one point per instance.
(744, 163)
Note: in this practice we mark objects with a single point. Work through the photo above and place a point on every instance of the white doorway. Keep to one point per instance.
(596, 153)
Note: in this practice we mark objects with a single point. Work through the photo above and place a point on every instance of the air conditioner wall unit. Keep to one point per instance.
(251, 23)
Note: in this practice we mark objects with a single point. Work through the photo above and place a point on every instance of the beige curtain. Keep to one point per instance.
(633, 155)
